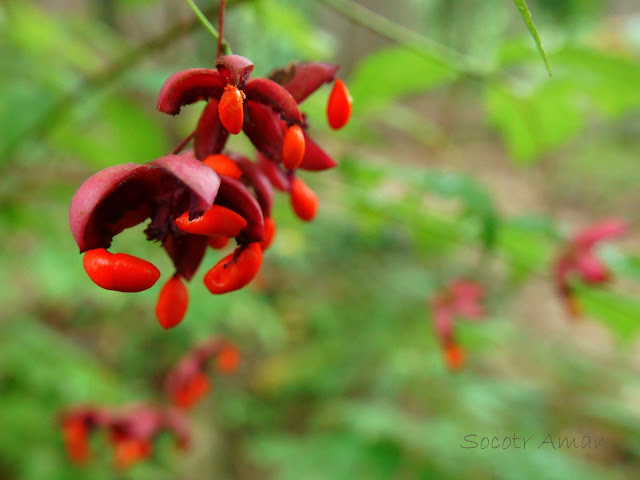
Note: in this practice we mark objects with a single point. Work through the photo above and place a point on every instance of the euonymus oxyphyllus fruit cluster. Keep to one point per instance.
(205, 196)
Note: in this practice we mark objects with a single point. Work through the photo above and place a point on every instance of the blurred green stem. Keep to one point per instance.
(207, 24)
(67, 101)
(401, 35)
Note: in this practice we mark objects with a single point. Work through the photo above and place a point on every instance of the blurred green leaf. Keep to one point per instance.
(475, 197)
(617, 311)
(392, 73)
(119, 132)
(286, 22)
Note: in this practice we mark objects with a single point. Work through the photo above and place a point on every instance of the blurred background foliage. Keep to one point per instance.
(463, 158)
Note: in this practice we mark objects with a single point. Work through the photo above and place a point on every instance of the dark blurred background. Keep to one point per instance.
(463, 158)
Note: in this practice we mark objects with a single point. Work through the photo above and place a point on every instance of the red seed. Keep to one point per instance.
(223, 165)
(228, 359)
(235, 270)
(119, 272)
(191, 391)
(129, 451)
(303, 200)
(172, 302)
(217, 221)
(218, 243)
(573, 305)
(230, 109)
(454, 356)
(293, 147)
(269, 233)
(76, 441)
(339, 106)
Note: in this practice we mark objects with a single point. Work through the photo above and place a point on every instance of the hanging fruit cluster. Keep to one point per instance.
(133, 431)
(205, 196)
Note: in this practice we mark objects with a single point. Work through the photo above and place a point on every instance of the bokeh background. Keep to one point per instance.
(463, 158)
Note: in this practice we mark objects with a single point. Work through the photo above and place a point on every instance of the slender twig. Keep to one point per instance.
(101, 79)
(221, 27)
(401, 35)
(183, 143)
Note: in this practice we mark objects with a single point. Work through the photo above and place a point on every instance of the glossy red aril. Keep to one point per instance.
(120, 272)
(303, 200)
(217, 221)
(172, 302)
(235, 270)
(230, 109)
(339, 106)
(293, 146)
(223, 165)
(218, 243)
(269, 233)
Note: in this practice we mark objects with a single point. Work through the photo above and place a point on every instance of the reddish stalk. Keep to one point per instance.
(220, 27)
(183, 143)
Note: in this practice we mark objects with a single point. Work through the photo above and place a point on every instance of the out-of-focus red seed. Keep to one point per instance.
(223, 165)
(217, 221)
(235, 270)
(129, 451)
(454, 356)
(293, 147)
(76, 441)
(230, 109)
(269, 233)
(192, 391)
(573, 305)
(172, 302)
(218, 243)
(303, 200)
(227, 359)
(339, 106)
(119, 272)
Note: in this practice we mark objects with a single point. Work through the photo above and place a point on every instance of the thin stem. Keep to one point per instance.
(222, 46)
(220, 26)
(101, 79)
(183, 143)
(203, 19)
(400, 35)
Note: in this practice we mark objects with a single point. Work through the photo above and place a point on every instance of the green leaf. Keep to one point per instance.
(619, 312)
(120, 132)
(393, 73)
(287, 23)
(533, 125)
(526, 16)
(476, 199)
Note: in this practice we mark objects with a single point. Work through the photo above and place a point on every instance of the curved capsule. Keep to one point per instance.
(96, 201)
(235, 196)
(210, 135)
(275, 96)
(189, 86)
(278, 178)
(315, 159)
(302, 79)
(259, 182)
(234, 69)
(264, 128)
